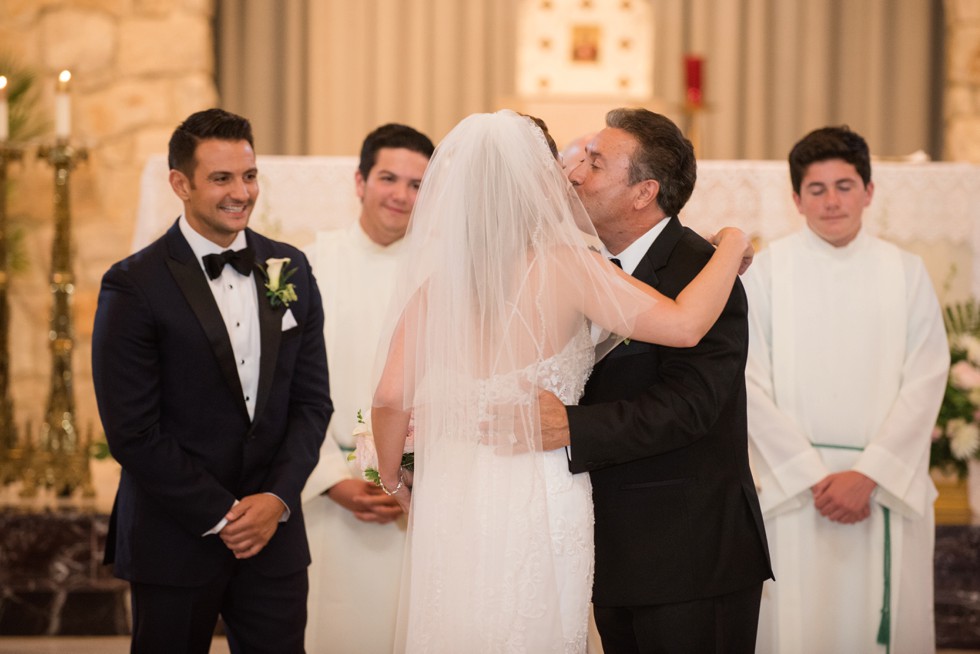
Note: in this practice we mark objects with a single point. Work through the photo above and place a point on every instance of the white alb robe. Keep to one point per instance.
(847, 352)
(356, 569)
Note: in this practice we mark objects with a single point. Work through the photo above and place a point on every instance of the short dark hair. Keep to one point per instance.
(207, 124)
(829, 143)
(662, 154)
(392, 135)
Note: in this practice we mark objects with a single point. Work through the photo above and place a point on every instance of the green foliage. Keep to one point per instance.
(17, 261)
(100, 449)
(26, 122)
(408, 463)
(956, 405)
(959, 405)
(962, 318)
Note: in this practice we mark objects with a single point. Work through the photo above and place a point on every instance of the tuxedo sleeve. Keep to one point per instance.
(692, 385)
(126, 370)
(310, 407)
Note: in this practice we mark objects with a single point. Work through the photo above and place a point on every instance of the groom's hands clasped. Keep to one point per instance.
(251, 524)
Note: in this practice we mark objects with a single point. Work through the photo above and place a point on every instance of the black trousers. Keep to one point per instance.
(261, 614)
(724, 624)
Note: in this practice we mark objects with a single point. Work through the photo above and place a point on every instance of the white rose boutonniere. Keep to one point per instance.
(366, 454)
(277, 289)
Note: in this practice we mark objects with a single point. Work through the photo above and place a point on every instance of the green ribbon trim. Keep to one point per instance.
(344, 448)
(885, 626)
(839, 447)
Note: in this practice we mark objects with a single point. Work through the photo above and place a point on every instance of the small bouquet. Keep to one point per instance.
(956, 437)
(366, 454)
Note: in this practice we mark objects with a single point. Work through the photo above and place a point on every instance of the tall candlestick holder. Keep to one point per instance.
(693, 128)
(11, 453)
(64, 457)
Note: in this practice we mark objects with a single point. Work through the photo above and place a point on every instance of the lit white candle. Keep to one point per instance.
(62, 107)
(4, 114)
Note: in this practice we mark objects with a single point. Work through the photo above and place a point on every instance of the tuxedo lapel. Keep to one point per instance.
(659, 253)
(647, 271)
(270, 327)
(190, 277)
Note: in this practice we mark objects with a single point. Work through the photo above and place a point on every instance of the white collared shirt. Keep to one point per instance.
(630, 257)
(235, 295)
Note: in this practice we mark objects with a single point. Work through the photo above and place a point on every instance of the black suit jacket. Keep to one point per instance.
(174, 415)
(663, 432)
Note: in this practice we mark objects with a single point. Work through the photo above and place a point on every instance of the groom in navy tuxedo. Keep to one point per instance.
(211, 380)
(680, 546)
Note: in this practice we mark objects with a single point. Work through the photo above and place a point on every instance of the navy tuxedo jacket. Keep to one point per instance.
(663, 433)
(174, 415)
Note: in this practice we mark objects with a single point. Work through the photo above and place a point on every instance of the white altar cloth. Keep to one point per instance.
(913, 202)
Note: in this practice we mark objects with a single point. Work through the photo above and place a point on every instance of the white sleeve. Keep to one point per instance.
(897, 457)
(330, 469)
(332, 466)
(784, 461)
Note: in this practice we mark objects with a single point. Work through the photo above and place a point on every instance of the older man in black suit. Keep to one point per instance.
(680, 545)
(211, 379)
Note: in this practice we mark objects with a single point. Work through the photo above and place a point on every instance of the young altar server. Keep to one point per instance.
(847, 366)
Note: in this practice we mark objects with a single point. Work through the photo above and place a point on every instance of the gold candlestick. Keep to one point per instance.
(10, 453)
(693, 128)
(59, 438)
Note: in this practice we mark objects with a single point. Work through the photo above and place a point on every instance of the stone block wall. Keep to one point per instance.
(138, 68)
(961, 140)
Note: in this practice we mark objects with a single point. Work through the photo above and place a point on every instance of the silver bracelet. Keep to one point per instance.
(398, 487)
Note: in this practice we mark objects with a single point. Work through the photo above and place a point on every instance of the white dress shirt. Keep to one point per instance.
(630, 258)
(235, 295)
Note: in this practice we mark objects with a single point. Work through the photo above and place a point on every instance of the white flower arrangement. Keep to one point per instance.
(366, 454)
(956, 437)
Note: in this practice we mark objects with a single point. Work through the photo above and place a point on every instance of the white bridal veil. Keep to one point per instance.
(501, 273)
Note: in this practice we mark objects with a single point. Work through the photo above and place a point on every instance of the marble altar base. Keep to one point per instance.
(957, 566)
(52, 580)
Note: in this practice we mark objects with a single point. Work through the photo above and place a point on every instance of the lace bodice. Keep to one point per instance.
(564, 374)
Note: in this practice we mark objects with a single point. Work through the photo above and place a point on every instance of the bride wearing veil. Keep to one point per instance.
(501, 290)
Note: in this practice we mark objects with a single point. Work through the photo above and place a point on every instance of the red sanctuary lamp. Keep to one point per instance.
(692, 81)
(693, 98)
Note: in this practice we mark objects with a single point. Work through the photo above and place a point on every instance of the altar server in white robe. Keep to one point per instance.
(356, 531)
(847, 366)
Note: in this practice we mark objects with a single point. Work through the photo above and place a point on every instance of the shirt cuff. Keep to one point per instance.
(218, 527)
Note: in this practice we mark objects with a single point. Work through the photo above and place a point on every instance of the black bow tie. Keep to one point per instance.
(616, 262)
(241, 260)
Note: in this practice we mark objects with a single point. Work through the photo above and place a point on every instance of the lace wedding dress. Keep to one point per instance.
(528, 576)
(501, 271)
